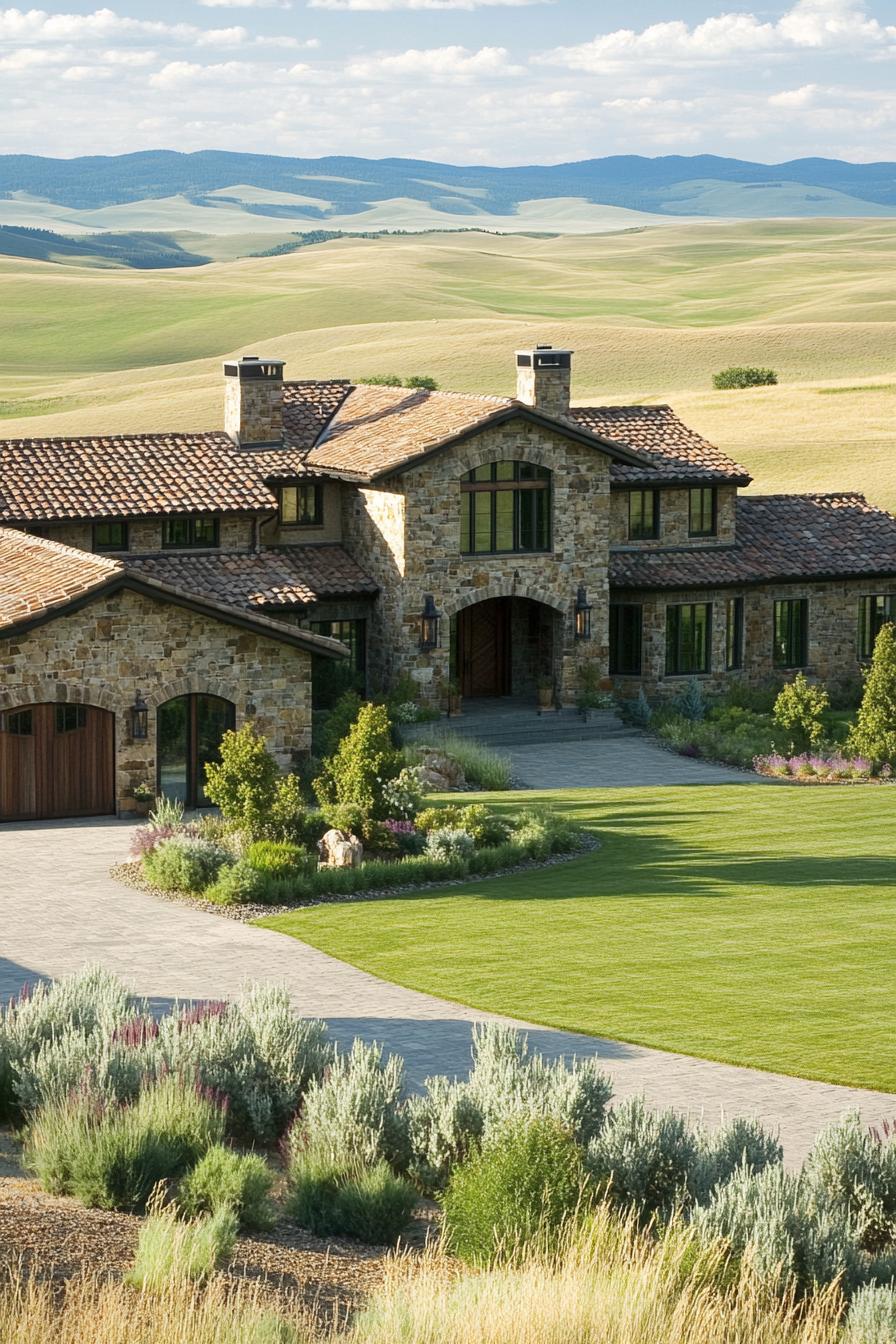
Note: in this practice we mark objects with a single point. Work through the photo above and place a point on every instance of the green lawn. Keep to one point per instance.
(749, 923)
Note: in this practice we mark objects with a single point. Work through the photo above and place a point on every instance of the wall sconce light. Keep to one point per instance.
(251, 708)
(430, 625)
(582, 614)
(139, 719)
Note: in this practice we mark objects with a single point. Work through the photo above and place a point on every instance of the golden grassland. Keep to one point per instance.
(652, 313)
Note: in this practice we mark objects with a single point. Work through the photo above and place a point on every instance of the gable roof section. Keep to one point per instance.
(779, 538)
(41, 579)
(285, 578)
(669, 450)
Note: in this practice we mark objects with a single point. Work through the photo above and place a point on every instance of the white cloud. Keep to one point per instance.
(437, 63)
(246, 4)
(833, 24)
(176, 73)
(794, 98)
(390, 6)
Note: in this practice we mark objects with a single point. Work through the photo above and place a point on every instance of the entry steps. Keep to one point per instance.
(504, 725)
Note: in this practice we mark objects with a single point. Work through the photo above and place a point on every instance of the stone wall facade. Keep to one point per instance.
(120, 644)
(674, 520)
(236, 533)
(833, 656)
(407, 535)
(253, 410)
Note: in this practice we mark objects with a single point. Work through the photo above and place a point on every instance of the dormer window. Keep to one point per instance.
(702, 512)
(643, 515)
(505, 507)
(110, 536)
(302, 505)
(190, 532)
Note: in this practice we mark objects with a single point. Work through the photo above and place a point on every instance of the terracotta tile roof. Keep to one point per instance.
(281, 578)
(779, 537)
(37, 575)
(308, 406)
(670, 450)
(127, 475)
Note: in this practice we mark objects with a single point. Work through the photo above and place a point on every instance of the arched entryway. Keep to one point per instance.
(505, 646)
(56, 760)
(189, 732)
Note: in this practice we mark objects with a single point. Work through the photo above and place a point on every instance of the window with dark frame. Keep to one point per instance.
(875, 611)
(505, 508)
(688, 639)
(791, 632)
(302, 505)
(18, 722)
(626, 639)
(110, 536)
(190, 531)
(69, 718)
(702, 507)
(734, 634)
(353, 634)
(643, 515)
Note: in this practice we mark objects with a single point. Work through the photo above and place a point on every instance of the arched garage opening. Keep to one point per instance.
(56, 760)
(189, 732)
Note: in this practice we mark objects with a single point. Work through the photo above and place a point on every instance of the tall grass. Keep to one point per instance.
(171, 1252)
(482, 766)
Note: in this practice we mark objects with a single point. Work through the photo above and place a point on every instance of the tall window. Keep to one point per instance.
(110, 536)
(734, 634)
(702, 512)
(643, 515)
(625, 639)
(302, 505)
(791, 634)
(353, 634)
(505, 506)
(874, 613)
(197, 530)
(688, 638)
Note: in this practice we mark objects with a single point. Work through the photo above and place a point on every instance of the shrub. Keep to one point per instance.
(171, 1253)
(146, 838)
(792, 1240)
(871, 1318)
(485, 827)
(448, 843)
(381, 380)
(445, 1125)
(112, 1157)
(735, 377)
(364, 762)
(352, 1200)
(353, 1116)
(243, 784)
(517, 1194)
(225, 1180)
(277, 858)
(167, 813)
(241, 883)
(799, 710)
(643, 1158)
(438, 818)
(287, 821)
(338, 721)
(540, 833)
(638, 711)
(851, 1169)
(874, 734)
(403, 796)
(741, 1144)
(184, 863)
(690, 702)
(422, 381)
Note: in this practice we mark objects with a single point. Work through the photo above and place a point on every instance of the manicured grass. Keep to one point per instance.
(749, 923)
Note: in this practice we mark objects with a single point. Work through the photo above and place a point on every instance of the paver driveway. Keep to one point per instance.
(59, 909)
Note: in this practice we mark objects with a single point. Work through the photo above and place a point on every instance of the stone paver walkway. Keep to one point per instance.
(614, 763)
(59, 909)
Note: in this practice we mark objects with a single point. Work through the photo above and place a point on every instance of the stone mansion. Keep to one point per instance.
(156, 589)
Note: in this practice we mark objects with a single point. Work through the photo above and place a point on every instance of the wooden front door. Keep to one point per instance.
(56, 761)
(483, 648)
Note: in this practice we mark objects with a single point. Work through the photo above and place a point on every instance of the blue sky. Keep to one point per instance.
(465, 81)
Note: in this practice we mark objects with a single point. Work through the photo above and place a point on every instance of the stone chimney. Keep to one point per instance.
(543, 378)
(253, 401)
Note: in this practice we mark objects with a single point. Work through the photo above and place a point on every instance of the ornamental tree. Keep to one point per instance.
(363, 764)
(244, 783)
(799, 710)
(874, 733)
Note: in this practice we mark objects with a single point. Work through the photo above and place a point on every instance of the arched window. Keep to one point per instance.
(505, 506)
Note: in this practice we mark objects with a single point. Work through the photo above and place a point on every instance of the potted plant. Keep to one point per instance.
(144, 796)
(545, 693)
(455, 704)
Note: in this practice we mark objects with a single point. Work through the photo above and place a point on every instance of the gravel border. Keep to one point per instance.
(131, 875)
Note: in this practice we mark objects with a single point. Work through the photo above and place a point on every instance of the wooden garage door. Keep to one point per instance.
(56, 761)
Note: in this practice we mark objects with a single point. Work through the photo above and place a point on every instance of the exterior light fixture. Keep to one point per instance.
(430, 625)
(251, 708)
(582, 612)
(139, 719)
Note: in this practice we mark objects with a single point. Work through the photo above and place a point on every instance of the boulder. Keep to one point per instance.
(338, 849)
(440, 771)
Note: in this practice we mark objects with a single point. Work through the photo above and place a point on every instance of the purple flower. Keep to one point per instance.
(399, 827)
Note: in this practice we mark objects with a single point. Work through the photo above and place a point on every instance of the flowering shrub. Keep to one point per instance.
(406, 712)
(403, 796)
(449, 843)
(146, 838)
(814, 766)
